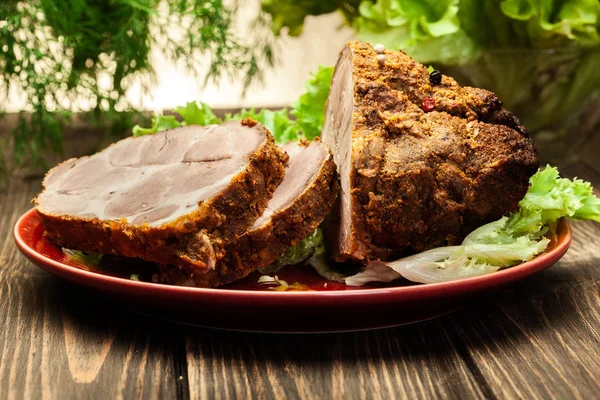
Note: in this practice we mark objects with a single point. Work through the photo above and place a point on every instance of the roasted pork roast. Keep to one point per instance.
(418, 162)
(421, 163)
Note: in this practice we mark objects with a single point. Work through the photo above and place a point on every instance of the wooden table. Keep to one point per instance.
(539, 338)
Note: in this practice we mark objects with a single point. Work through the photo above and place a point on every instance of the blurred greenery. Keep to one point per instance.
(290, 14)
(309, 113)
(55, 51)
(452, 31)
(540, 56)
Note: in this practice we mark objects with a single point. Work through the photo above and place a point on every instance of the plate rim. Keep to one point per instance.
(427, 290)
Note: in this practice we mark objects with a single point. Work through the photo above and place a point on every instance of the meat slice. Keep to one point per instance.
(174, 197)
(299, 205)
(420, 164)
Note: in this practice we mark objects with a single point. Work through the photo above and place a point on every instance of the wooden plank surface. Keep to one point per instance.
(59, 341)
(411, 362)
(540, 338)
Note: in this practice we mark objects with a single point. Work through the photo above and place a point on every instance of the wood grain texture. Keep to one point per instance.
(412, 362)
(59, 341)
(540, 339)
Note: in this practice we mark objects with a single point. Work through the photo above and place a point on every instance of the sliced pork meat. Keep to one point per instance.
(421, 163)
(174, 197)
(299, 205)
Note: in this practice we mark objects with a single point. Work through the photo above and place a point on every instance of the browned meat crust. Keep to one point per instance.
(423, 178)
(186, 241)
(260, 247)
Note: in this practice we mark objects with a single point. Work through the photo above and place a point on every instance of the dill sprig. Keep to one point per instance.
(83, 55)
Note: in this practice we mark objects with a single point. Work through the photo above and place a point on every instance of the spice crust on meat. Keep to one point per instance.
(264, 244)
(194, 240)
(428, 162)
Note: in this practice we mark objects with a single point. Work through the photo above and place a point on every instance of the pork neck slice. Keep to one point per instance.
(176, 197)
(299, 204)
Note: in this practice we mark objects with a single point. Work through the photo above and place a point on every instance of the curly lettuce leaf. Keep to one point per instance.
(194, 114)
(453, 262)
(454, 32)
(531, 23)
(575, 19)
(277, 122)
(159, 123)
(430, 268)
(550, 198)
(499, 244)
(309, 110)
(310, 246)
(191, 114)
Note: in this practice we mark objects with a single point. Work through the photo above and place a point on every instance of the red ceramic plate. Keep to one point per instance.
(331, 307)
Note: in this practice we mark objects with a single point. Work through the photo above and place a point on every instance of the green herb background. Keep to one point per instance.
(452, 31)
(54, 50)
(540, 57)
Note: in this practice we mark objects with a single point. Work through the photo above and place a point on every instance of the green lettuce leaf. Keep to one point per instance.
(531, 23)
(454, 49)
(550, 198)
(309, 110)
(310, 246)
(453, 32)
(159, 123)
(521, 10)
(194, 114)
(574, 19)
(84, 257)
(277, 122)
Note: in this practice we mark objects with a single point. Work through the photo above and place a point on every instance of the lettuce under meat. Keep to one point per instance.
(311, 246)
